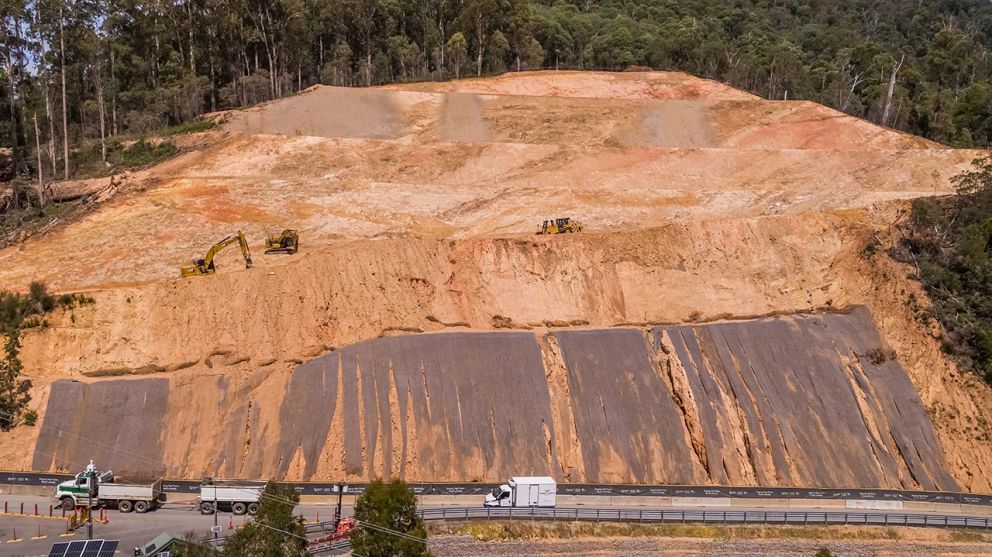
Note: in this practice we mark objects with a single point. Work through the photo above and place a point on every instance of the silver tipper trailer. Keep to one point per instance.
(238, 498)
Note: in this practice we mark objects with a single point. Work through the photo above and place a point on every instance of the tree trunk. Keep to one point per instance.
(481, 37)
(192, 59)
(41, 178)
(891, 91)
(440, 66)
(113, 94)
(368, 63)
(213, 82)
(46, 82)
(12, 83)
(103, 114)
(65, 113)
(52, 157)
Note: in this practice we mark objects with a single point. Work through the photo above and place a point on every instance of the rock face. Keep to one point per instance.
(117, 422)
(811, 399)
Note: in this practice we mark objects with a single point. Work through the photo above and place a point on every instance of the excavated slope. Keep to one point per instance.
(731, 403)
(417, 205)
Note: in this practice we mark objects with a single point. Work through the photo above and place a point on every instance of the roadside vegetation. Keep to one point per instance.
(388, 520)
(948, 241)
(522, 530)
(18, 312)
(274, 532)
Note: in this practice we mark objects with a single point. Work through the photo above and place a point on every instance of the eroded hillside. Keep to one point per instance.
(416, 207)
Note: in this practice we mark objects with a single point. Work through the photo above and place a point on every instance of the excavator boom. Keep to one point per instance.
(206, 265)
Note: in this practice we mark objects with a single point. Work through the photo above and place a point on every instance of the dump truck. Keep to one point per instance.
(238, 498)
(102, 489)
(524, 491)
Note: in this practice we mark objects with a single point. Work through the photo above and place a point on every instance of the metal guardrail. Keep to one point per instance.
(649, 516)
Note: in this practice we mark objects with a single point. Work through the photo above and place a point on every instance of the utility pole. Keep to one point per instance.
(341, 488)
(89, 505)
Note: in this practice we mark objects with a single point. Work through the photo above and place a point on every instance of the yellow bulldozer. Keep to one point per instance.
(287, 242)
(560, 226)
(205, 266)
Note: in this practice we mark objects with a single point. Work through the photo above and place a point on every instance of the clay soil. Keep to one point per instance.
(417, 206)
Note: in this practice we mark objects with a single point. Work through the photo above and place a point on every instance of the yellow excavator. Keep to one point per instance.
(560, 226)
(205, 266)
(287, 242)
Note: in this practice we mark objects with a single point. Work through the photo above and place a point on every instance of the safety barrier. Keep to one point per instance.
(648, 516)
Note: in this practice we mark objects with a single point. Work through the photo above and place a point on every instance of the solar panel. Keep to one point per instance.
(92, 548)
(75, 549)
(109, 548)
(85, 548)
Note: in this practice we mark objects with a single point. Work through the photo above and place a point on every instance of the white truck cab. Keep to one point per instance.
(524, 491)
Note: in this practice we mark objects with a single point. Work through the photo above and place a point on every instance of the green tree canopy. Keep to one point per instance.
(275, 532)
(388, 524)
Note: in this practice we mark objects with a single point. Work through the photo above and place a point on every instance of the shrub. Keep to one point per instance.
(194, 126)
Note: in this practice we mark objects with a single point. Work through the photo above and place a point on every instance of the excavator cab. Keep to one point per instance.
(288, 242)
(206, 266)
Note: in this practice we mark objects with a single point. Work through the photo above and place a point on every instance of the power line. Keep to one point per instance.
(256, 523)
(364, 524)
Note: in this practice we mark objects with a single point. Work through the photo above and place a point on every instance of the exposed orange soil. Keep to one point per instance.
(700, 202)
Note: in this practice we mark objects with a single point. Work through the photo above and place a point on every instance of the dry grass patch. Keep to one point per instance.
(506, 531)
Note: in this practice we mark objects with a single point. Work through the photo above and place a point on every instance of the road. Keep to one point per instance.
(136, 529)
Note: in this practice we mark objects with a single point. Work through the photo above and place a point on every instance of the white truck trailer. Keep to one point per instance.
(102, 489)
(524, 491)
(236, 498)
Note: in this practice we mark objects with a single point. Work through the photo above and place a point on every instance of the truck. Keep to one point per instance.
(237, 498)
(101, 489)
(524, 491)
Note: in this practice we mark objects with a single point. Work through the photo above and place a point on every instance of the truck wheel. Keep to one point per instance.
(125, 506)
(253, 509)
(206, 507)
(239, 508)
(68, 503)
(141, 506)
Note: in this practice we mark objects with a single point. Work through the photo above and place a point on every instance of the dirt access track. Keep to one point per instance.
(417, 206)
